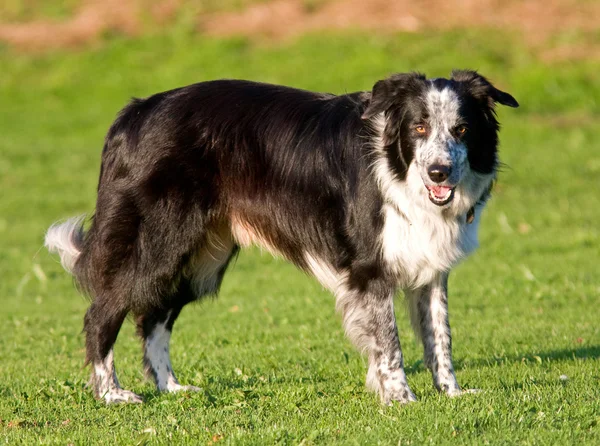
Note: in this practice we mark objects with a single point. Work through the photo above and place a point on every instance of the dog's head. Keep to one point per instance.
(437, 138)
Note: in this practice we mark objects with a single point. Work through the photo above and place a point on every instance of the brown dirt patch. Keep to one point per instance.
(284, 18)
(91, 20)
(538, 21)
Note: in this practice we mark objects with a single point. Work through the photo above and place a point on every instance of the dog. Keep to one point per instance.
(369, 192)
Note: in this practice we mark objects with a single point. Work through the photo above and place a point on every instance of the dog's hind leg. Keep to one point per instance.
(155, 328)
(102, 324)
(201, 276)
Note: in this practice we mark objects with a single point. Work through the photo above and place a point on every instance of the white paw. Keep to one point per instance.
(179, 388)
(458, 392)
(471, 391)
(115, 396)
(403, 398)
(399, 394)
(393, 387)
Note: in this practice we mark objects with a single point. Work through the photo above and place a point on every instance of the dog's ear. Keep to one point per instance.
(482, 89)
(387, 92)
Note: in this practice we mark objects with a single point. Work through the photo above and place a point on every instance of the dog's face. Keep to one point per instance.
(439, 136)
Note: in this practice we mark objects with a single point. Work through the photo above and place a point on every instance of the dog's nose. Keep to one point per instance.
(438, 173)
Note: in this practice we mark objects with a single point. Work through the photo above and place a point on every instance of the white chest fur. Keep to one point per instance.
(419, 246)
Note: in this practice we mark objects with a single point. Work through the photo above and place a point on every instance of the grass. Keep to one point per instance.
(270, 353)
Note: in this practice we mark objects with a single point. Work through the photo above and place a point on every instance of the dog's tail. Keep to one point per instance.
(66, 238)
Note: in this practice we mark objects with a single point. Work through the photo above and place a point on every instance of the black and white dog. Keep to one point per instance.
(369, 192)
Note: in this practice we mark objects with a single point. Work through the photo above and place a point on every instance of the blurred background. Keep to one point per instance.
(67, 67)
(524, 306)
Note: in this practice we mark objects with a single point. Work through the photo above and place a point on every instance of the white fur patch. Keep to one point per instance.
(390, 383)
(245, 235)
(106, 384)
(419, 245)
(443, 107)
(63, 239)
(441, 147)
(156, 353)
(355, 318)
(323, 272)
(206, 263)
(440, 340)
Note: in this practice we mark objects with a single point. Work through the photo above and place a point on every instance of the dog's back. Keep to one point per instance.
(179, 166)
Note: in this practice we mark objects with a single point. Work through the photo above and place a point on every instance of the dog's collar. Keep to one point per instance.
(471, 215)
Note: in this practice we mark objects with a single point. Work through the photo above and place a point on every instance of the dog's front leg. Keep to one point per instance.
(429, 316)
(370, 323)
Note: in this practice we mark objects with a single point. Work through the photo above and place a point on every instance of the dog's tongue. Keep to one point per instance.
(440, 191)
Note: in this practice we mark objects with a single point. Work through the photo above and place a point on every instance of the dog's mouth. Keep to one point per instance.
(440, 195)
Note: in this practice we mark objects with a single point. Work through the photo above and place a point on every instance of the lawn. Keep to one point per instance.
(270, 353)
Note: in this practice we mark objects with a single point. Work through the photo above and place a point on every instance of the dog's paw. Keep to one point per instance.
(179, 388)
(402, 395)
(459, 392)
(117, 396)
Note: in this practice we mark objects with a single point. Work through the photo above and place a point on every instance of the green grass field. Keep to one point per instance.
(270, 353)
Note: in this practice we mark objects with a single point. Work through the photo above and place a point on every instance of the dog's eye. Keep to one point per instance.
(420, 129)
(461, 129)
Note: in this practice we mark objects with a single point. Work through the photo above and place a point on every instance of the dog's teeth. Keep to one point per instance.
(436, 198)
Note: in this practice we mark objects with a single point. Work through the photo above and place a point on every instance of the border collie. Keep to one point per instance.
(370, 192)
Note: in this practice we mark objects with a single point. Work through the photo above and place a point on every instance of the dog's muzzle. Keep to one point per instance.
(439, 195)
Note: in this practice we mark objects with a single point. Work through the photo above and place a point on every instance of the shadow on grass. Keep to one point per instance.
(217, 390)
(590, 352)
(221, 390)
